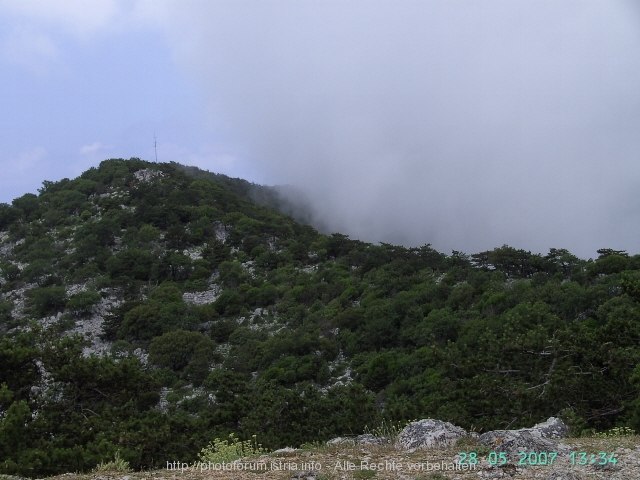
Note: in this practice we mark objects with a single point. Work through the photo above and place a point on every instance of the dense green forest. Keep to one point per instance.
(148, 308)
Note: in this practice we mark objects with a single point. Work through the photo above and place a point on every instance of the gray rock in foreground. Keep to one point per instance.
(368, 439)
(429, 433)
(364, 439)
(540, 438)
(341, 441)
(552, 428)
(286, 450)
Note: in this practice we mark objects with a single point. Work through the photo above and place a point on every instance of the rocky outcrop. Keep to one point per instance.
(429, 433)
(201, 298)
(147, 175)
(540, 438)
(552, 428)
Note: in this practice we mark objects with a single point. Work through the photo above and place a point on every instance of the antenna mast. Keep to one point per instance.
(155, 147)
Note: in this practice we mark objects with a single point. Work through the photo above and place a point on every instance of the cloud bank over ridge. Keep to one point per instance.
(462, 124)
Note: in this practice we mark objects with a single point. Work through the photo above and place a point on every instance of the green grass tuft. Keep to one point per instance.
(387, 429)
(229, 450)
(616, 432)
(116, 465)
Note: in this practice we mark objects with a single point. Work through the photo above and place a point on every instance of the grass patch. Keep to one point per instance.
(363, 474)
(472, 444)
(602, 442)
(432, 476)
(387, 429)
(315, 446)
(467, 442)
(116, 465)
(616, 432)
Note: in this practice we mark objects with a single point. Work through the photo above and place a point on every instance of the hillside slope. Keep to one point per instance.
(149, 308)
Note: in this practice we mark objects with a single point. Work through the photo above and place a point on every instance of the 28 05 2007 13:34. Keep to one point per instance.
(540, 458)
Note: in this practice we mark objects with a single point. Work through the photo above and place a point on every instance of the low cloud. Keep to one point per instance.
(462, 124)
(35, 51)
(93, 148)
(77, 17)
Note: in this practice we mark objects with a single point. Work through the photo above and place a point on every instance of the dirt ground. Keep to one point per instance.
(340, 462)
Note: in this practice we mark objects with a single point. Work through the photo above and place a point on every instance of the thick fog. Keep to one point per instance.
(464, 124)
(467, 125)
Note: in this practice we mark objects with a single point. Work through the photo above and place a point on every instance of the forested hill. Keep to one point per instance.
(149, 308)
(286, 199)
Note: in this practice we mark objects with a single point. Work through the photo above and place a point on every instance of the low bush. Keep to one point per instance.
(220, 451)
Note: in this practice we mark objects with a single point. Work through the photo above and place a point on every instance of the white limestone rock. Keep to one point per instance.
(147, 175)
(286, 450)
(341, 441)
(369, 439)
(552, 428)
(429, 433)
(201, 298)
(539, 438)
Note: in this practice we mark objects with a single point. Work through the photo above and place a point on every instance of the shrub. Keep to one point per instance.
(186, 351)
(82, 302)
(5, 310)
(9, 271)
(46, 300)
(220, 451)
(116, 465)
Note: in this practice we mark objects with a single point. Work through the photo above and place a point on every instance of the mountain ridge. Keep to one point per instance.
(147, 308)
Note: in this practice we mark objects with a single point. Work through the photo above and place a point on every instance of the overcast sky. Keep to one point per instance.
(467, 125)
